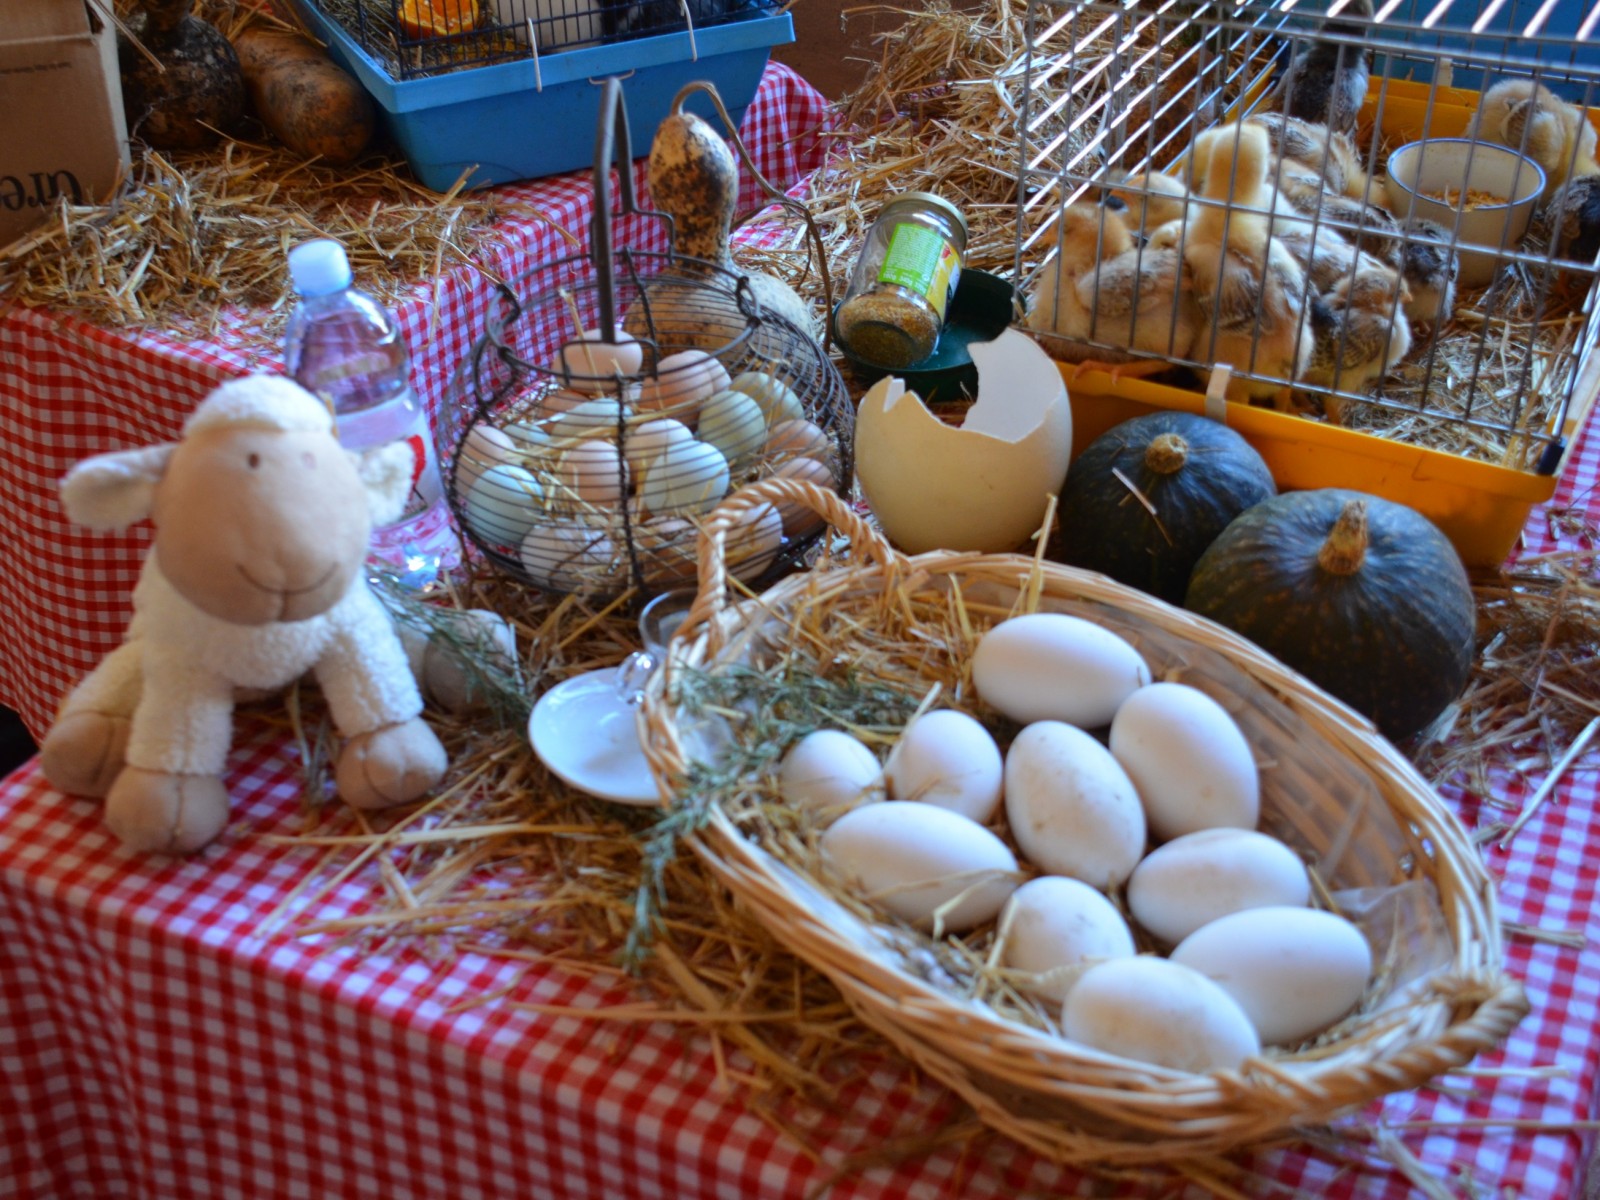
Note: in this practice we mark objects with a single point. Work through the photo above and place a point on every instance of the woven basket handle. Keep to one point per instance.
(865, 542)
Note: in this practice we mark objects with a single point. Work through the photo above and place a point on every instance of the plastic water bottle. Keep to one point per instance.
(345, 347)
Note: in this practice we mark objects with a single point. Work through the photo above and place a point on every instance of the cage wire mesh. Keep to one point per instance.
(582, 462)
(1332, 203)
(414, 38)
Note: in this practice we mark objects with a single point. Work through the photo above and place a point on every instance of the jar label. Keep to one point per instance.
(921, 261)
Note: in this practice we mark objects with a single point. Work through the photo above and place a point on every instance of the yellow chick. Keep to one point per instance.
(1102, 295)
(1250, 291)
(1529, 117)
(1149, 199)
(1359, 330)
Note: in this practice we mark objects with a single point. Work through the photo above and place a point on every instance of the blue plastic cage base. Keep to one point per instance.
(517, 120)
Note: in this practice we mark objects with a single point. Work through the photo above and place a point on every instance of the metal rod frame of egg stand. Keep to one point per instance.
(493, 355)
(613, 149)
(1249, 89)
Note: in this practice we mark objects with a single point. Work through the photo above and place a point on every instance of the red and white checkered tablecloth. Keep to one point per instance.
(69, 389)
(159, 1039)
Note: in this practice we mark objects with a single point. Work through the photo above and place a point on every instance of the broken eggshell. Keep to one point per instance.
(983, 486)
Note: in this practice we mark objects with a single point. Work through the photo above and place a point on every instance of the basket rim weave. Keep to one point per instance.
(1062, 1099)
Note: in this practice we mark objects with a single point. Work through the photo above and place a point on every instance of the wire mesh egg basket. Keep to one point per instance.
(616, 399)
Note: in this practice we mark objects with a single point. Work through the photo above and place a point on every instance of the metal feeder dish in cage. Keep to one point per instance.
(585, 462)
(1304, 225)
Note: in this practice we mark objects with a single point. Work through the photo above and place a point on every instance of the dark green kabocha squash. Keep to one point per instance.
(1145, 498)
(1363, 596)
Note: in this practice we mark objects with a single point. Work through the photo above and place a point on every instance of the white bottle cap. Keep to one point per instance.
(319, 267)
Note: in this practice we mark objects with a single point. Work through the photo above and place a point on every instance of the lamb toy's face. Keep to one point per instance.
(261, 516)
(255, 526)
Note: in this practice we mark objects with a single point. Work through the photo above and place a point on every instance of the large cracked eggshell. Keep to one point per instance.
(983, 486)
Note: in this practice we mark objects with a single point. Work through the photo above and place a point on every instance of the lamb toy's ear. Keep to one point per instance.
(386, 471)
(112, 491)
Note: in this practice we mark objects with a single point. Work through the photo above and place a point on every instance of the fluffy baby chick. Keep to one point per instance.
(1429, 265)
(1102, 288)
(1250, 291)
(1574, 210)
(1326, 80)
(1149, 199)
(1359, 330)
(1529, 117)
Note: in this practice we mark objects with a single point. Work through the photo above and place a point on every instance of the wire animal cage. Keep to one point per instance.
(584, 461)
(428, 37)
(1348, 221)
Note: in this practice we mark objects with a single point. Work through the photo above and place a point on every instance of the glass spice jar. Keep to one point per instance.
(893, 310)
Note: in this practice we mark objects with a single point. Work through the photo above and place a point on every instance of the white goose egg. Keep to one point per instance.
(486, 446)
(1072, 809)
(502, 505)
(1053, 924)
(684, 480)
(1156, 1011)
(829, 772)
(776, 398)
(1294, 971)
(681, 383)
(732, 423)
(590, 363)
(1196, 878)
(922, 863)
(947, 758)
(1187, 757)
(568, 555)
(649, 438)
(1053, 667)
(753, 542)
(594, 472)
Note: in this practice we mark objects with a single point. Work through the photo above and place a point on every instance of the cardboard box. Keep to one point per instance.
(63, 131)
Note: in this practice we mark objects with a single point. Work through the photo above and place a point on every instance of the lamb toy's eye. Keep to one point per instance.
(254, 460)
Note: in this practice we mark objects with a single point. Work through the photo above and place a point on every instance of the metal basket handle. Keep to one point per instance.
(865, 541)
(613, 146)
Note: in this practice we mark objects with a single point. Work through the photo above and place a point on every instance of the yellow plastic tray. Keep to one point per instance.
(1481, 507)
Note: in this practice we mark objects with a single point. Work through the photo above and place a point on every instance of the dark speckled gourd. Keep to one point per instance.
(1363, 596)
(201, 89)
(1194, 474)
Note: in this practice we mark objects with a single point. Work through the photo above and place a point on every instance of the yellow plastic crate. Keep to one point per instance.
(1481, 507)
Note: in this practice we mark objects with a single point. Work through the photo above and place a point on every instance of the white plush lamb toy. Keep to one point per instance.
(255, 578)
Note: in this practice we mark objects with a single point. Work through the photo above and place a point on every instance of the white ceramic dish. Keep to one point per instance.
(1434, 164)
(589, 736)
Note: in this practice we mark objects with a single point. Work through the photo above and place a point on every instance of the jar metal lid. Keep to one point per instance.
(929, 200)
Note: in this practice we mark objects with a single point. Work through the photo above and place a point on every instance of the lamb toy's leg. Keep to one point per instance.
(391, 757)
(170, 797)
(84, 750)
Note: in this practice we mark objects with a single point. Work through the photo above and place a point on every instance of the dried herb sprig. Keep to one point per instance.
(775, 709)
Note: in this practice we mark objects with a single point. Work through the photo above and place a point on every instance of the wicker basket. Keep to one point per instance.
(1376, 834)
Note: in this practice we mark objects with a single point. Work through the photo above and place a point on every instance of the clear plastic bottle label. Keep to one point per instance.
(426, 487)
(922, 261)
(403, 421)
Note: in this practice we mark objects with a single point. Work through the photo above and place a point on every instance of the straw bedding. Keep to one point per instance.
(509, 860)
